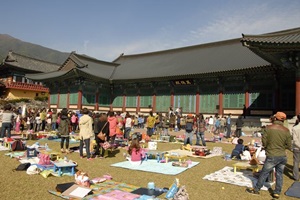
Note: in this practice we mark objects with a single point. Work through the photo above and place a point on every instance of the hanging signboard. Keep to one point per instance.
(183, 82)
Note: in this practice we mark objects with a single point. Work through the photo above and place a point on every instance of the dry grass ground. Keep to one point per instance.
(19, 185)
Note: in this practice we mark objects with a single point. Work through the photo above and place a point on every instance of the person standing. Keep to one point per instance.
(228, 126)
(296, 148)
(85, 133)
(104, 127)
(64, 130)
(7, 118)
(239, 125)
(150, 124)
(113, 122)
(200, 130)
(275, 139)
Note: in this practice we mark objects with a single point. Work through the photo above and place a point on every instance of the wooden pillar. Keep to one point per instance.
(49, 96)
(68, 99)
(247, 102)
(138, 107)
(58, 98)
(197, 102)
(79, 102)
(154, 103)
(297, 110)
(220, 103)
(172, 100)
(124, 103)
(97, 102)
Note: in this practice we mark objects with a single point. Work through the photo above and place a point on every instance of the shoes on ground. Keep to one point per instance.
(62, 150)
(252, 191)
(275, 196)
(89, 159)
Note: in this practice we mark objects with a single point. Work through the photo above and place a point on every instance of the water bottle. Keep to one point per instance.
(157, 157)
(146, 156)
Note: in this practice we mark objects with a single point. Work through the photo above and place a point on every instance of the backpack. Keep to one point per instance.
(18, 145)
(22, 167)
(189, 127)
(44, 159)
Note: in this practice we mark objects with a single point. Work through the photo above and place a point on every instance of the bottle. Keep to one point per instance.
(157, 157)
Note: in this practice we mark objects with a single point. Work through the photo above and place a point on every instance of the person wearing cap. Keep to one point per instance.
(275, 139)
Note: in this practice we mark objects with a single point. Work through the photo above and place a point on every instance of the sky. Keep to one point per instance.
(104, 29)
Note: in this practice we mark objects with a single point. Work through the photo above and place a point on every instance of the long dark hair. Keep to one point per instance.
(134, 144)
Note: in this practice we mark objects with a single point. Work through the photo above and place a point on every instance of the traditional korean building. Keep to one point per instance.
(219, 77)
(14, 84)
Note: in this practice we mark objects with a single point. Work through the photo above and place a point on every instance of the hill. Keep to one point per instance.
(8, 43)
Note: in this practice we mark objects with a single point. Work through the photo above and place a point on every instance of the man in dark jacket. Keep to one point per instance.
(239, 125)
(275, 139)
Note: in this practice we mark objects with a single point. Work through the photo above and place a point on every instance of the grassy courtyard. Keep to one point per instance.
(19, 185)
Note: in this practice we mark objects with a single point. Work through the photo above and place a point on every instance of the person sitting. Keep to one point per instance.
(136, 153)
(246, 154)
(238, 149)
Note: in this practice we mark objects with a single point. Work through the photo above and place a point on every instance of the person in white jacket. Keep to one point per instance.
(85, 133)
(296, 148)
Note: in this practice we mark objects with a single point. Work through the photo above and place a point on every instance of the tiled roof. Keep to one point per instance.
(86, 64)
(200, 59)
(291, 36)
(28, 63)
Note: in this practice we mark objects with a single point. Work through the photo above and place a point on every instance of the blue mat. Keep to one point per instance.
(294, 190)
(154, 166)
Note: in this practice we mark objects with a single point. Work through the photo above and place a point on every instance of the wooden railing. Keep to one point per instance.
(27, 86)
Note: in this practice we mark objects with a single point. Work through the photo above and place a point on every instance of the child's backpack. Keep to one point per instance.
(44, 159)
(18, 145)
(189, 127)
(22, 167)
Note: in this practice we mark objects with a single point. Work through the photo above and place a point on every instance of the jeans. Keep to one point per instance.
(277, 162)
(200, 135)
(188, 135)
(6, 126)
(62, 141)
(87, 147)
(296, 158)
(228, 130)
(150, 131)
(127, 132)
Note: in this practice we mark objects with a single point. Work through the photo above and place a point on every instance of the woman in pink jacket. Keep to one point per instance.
(112, 126)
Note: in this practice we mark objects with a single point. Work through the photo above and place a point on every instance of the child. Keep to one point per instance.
(136, 153)
(246, 154)
(238, 149)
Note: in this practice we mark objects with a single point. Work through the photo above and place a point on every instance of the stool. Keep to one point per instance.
(245, 165)
(53, 155)
(175, 157)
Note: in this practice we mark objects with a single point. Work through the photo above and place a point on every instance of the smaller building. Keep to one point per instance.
(14, 84)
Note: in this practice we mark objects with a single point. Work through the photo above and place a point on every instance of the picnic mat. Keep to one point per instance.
(3, 148)
(154, 166)
(102, 188)
(72, 141)
(294, 190)
(241, 178)
(191, 154)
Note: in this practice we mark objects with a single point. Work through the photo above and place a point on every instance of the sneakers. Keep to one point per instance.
(89, 159)
(62, 150)
(67, 151)
(252, 191)
(275, 196)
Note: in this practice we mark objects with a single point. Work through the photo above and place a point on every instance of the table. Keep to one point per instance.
(175, 157)
(54, 155)
(245, 165)
(64, 164)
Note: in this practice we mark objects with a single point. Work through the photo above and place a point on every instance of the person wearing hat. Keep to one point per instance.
(275, 139)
